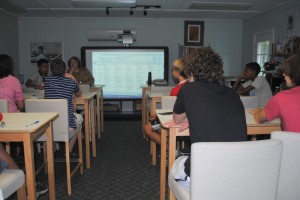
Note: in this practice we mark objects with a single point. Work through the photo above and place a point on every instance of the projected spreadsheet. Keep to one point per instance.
(122, 73)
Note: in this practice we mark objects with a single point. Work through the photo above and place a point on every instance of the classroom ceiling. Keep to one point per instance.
(204, 9)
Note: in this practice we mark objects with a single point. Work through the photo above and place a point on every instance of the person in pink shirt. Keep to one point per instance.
(285, 104)
(10, 87)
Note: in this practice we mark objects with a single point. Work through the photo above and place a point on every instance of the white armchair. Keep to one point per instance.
(289, 178)
(222, 170)
(250, 101)
(3, 105)
(12, 180)
(61, 130)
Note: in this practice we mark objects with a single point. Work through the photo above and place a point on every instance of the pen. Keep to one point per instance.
(32, 123)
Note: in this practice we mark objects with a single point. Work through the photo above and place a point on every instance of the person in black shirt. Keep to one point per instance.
(212, 111)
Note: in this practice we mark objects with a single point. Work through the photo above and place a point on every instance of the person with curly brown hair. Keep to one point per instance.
(285, 104)
(212, 111)
(81, 73)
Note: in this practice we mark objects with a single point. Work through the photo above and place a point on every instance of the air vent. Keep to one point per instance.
(220, 6)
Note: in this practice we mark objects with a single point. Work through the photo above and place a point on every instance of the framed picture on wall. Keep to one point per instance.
(291, 18)
(193, 33)
(45, 50)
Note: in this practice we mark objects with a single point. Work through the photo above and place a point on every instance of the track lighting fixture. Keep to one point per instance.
(131, 11)
(107, 10)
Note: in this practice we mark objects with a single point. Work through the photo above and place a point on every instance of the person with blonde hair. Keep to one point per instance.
(178, 75)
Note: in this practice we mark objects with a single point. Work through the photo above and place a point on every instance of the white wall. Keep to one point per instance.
(273, 19)
(9, 43)
(224, 36)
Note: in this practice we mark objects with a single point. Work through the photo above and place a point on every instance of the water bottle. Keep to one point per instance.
(149, 79)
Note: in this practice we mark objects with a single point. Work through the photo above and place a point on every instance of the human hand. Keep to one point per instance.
(171, 123)
(70, 76)
(253, 111)
(39, 86)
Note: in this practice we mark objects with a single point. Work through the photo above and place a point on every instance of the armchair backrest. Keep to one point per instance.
(3, 105)
(167, 102)
(235, 170)
(289, 178)
(61, 125)
(250, 101)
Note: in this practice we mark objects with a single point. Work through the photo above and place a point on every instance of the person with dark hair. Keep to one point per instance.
(254, 85)
(285, 104)
(36, 80)
(11, 90)
(10, 87)
(212, 111)
(81, 74)
(59, 86)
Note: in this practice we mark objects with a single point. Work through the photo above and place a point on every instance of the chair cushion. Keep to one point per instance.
(180, 189)
(10, 181)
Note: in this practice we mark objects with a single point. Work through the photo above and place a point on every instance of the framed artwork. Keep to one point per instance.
(193, 33)
(291, 18)
(45, 50)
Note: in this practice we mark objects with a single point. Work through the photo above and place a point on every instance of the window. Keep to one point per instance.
(263, 52)
(263, 47)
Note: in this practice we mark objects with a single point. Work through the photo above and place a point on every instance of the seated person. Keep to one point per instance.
(36, 80)
(285, 104)
(255, 85)
(81, 74)
(7, 162)
(178, 75)
(60, 87)
(10, 87)
(212, 111)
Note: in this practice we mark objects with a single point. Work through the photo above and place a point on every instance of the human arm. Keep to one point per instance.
(184, 125)
(70, 76)
(20, 104)
(243, 89)
(30, 83)
(87, 77)
(236, 84)
(259, 115)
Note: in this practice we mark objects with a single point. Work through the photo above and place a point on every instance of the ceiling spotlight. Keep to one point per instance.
(145, 12)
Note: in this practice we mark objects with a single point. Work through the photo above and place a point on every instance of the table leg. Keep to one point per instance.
(163, 153)
(87, 134)
(172, 155)
(50, 161)
(93, 128)
(98, 115)
(29, 167)
(102, 113)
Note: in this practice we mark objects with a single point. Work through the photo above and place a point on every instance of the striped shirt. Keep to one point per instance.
(57, 87)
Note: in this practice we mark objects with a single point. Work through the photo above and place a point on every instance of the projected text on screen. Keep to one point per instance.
(123, 72)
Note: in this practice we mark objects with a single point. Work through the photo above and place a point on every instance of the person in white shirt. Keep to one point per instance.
(254, 85)
(36, 80)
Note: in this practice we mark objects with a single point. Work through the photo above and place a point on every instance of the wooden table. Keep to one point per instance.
(153, 94)
(15, 130)
(99, 103)
(86, 99)
(252, 129)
